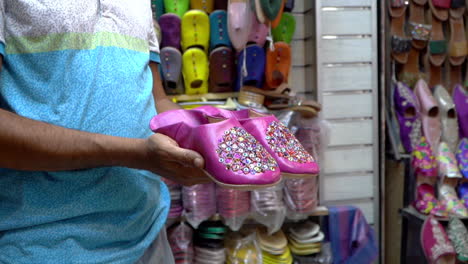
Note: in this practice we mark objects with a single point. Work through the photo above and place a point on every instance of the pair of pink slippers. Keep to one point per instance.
(242, 149)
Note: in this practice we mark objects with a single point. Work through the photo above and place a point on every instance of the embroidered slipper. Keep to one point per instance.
(437, 43)
(205, 5)
(401, 44)
(460, 98)
(171, 66)
(418, 26)
(440, 9)
(458, 48)
(271, 8)
(463, 192)
(255, 67)
(259, 33)
(448, 166)
(409, 118)
(239, 23)
(423, 160)
(435, 243)
(426, 202)
(275, 22)
(457, 8)
(170, 30)
(458, 235)
(285, 30)
(222, 70)
(220, 4)
(430, 113)
(195, 71)
(448, 116)
(462, 157)
(218, 30)
(289, 6)
(410, 73)
(195, 30)
(448, 198)
(278, 64)
(396, 8)
(157, 6)
(177, 7)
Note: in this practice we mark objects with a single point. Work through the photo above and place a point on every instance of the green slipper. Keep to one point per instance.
(271, 8)
(178, 7)
(285, 31)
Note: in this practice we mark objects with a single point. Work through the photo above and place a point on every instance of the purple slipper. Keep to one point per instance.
(460, 98)
(463, 193)
(170, 27)
(406, 109)
(255, 63)
(222, 70)
(462, 157)
(171, 66)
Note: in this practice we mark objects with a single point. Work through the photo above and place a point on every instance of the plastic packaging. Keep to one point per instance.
(199, 203)
(176, 198)
(300, 197)
(233, 206)
(324, 257)
(209, 243)
(268, 207)
(180, 238)
(243, 248)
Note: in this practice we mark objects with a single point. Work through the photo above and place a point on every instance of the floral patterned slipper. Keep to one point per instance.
(435, 243)
(459, 237)
(462, 157)
(463, 193)
(426, 202)
(448, 166)
(423, 161)
(448, 198)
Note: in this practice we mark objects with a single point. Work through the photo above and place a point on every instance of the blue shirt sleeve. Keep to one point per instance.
(154, 57)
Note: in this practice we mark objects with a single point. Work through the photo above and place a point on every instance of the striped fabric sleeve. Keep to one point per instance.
(2, 27)
(152, 38)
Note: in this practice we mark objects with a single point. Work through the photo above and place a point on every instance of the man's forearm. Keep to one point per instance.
(163, 103)
(32, 145)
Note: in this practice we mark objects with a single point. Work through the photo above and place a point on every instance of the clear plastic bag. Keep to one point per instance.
(175, 190)
(243, 248)
(268, 207)
(180, 238)
(300, 197)
(233, 206)
(199, 203)
(324, 257)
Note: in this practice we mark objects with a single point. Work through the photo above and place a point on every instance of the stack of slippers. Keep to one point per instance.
(209, 243)
(242, 247)
(300, 195)
(274, 247)
(199, 202)
(180, 237)
(176, 198)
(305, 238)
(233, 206)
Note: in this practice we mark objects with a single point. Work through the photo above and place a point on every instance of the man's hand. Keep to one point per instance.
(165, 158)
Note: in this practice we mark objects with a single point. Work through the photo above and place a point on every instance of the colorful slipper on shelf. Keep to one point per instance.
(426, 203)
(233, 157)
(458, 48)
(278, 64)
(457, 8)
(423, 160)
(178, 7)
(437, 43)
(293, 160)
(195, 71)
(222, 70)
(195, 30)
(448, 166)
(419, 28)
(205, 5)
(460, 98)
(289, 5)
(220, 4)
(463, 193)
(275, 22)
(401, 44)
(458, 235)
(171, 67)
(440, 9)
(430, 113)
(396, 8)
(259, 33)
(170, 29)
(239, 23)
(448, 116)
(449, 199)
(435, 243)
(409, 118)
(274, 242)
(285, 30)
(157, 6)
(256, 7)
(218, 30)
(462, 157)
(255, 67)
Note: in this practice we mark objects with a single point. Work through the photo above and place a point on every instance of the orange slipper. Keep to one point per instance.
(277, 20)
(278, 64)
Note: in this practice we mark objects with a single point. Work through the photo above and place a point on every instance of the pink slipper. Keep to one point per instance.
(430, 116)
(435, 243)
(426, 202)
(233, 157)
(293, 160)
(259, 33)
(423, 160)
(239, 23)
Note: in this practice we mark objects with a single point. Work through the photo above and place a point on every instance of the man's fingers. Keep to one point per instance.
(187, 157)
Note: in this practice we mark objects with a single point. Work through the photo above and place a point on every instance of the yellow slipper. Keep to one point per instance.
(195, 30)
(195, 71)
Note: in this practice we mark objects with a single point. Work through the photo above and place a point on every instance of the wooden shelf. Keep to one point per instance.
(412, 212)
